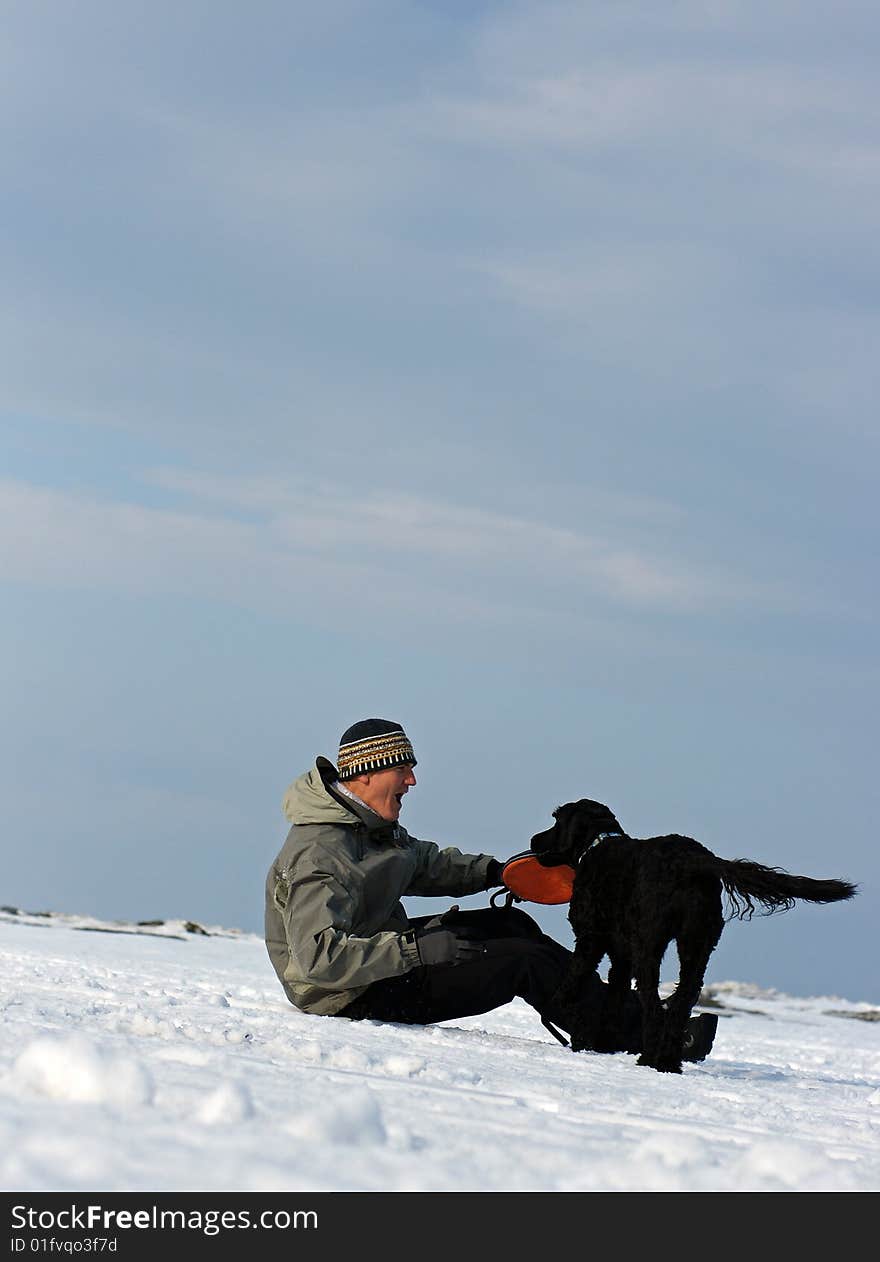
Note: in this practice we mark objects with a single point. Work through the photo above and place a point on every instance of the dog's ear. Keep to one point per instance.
(597, 809)
(591, 819)
(599, 815)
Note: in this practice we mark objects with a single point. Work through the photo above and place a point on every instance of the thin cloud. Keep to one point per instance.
(362, 543)
(335, 519)
(756, 110)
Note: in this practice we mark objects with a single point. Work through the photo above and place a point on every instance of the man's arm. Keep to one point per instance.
(317, 916)
(450, 871)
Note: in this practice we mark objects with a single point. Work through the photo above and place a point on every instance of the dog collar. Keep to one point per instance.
(595, 842)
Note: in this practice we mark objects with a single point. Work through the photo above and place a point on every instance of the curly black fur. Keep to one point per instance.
(633, 897)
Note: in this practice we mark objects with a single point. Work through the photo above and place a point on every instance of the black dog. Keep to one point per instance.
(631, 899)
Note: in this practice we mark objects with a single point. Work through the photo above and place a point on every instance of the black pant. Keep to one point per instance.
(520, 960)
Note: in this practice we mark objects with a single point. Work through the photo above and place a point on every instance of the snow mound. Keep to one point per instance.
(181, 929)
(228, 1103)
(354, 1119)
(74, 1069)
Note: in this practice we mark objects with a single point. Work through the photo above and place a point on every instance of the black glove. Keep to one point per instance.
(493, 874)
(439, 945)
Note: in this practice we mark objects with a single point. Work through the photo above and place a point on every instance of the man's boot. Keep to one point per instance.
(699, 1035)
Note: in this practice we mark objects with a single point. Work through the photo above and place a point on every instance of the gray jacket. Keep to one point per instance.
(334, 920)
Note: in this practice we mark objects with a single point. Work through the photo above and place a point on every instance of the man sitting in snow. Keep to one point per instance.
(336, 931)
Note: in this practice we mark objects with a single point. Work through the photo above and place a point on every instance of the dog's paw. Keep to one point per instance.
(662, 1066)
(581, 1041)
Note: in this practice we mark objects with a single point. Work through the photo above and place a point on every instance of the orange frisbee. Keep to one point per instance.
(525, 876)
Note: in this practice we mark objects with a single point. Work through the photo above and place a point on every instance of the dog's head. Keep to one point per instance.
(576, 826)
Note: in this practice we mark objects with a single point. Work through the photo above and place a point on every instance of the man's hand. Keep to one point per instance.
(493, 874)
(438, 945)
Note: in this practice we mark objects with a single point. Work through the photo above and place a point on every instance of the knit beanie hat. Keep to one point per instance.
(373, 745)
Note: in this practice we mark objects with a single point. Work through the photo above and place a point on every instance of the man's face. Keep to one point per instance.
(383, 790)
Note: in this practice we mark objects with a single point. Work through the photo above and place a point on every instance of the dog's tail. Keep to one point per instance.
(747, 883)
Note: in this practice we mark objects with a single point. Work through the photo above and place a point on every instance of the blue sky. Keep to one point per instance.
(506, 370)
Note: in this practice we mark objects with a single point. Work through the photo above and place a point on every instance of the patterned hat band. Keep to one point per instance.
(374, 753)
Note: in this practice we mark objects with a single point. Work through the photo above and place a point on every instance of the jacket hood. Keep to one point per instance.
(308, 801)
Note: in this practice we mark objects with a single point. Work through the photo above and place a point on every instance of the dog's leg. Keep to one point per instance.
(575, 1004)
(610, 1036)
(695, 945)
(653, 1015)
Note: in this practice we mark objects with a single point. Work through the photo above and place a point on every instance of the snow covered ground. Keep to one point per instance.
(162, 1058)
